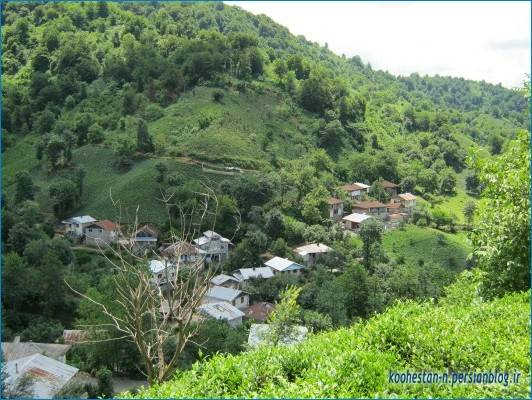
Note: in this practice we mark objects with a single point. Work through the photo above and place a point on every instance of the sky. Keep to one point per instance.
(475, 40)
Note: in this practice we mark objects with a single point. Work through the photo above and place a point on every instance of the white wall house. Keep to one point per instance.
(75, 226)
(356, 191)
(101, 233)
(311, 252)
(336, 208)
(215, 246)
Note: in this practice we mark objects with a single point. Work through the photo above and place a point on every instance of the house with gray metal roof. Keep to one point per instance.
(245, 274)
(224, 280)
(222, 311)
(284, 265)
(236, 297)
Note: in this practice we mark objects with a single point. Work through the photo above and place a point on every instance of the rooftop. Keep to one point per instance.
(356, 217)
(406, 196)
(248, 273)
(354, 186)
(14, 350)
(223, 293)
(107, 225)
(221, 310)
(389, 185)
(283, 264)
(312, 249)
(260, 311)
(334, 200)
(49, 375)
(369, 204)
(222, 278)
(84, 219)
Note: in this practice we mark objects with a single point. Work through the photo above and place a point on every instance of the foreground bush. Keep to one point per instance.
(462, 333)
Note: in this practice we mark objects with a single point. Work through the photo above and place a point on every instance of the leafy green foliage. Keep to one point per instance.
(502, 234)
(355, 361)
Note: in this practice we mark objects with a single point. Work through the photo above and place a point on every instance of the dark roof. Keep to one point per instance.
(369, 204)
(389, 185)
(334, 200)
(260, 311)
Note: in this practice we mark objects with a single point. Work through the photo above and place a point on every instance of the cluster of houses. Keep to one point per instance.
(392, 213)
(227, 299)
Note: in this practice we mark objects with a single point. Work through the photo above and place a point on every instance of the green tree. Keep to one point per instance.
(162, 169)
(24, 188)
(285, 318)
(469, 212)
(105, 383)
(144, 139)
(371, 235)
(64, 195)
(95, 134)
(501, 238)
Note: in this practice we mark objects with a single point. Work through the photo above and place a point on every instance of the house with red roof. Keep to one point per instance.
(101, 233)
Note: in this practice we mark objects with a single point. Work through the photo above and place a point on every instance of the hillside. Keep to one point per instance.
(355, 362)
(280, 97)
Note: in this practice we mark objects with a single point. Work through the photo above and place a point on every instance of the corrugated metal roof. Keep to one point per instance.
(248, 273)
(283, 264)
(84, 219)
(221, 310)
(49, 375)
(407, 196)
(223, 293)
(356, 217)
(222, 278)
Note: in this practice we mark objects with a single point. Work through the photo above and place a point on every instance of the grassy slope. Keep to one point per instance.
(237, 130)
(132, 188)
(355, 362)
(414, 243)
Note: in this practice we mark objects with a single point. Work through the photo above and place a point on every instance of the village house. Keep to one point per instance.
(284, 266)
(391, 188)
(142, 240)
(311, 252)
(373, 208)
(162, 271)
(354, 221)
(75, 226)
(47, 375)
(407, 201)
(260, 311)
(224, 280)
(215, 246)
(356, 191)
(183, 253)
(101, 233)
(246, 274)
(336, 208)
(222, 311)
(236, 297)
(394, 220)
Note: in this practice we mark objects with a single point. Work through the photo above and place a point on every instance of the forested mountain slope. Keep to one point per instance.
(75, 74)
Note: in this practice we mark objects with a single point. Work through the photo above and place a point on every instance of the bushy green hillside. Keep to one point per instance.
(221, 85)
(461, 334)
(432, 246)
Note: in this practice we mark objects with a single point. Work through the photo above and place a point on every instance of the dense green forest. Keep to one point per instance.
(107, 103)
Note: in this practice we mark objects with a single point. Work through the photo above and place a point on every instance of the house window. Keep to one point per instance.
(241, 300)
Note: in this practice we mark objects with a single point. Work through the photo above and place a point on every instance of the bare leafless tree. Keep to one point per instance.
(153, 312)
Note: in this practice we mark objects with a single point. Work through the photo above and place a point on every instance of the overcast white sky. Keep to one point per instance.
(474, 40)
